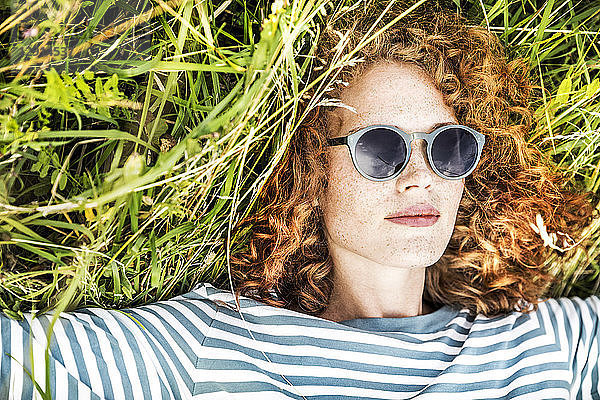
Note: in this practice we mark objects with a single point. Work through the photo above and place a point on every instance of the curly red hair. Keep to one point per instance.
(494, 262)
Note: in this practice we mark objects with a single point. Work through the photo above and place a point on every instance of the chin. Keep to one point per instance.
(418, 259)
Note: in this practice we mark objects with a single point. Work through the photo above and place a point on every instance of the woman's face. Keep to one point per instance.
(355, 208)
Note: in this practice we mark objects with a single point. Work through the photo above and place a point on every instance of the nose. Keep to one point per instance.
(417, 172)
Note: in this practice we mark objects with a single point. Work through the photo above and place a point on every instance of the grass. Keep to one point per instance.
(133, 136)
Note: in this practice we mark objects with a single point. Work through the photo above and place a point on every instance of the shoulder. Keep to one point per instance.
(250, 313)
(569, 320)
(572, 308)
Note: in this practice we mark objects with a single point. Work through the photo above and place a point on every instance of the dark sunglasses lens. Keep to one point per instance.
(380, 152)
(454, 151)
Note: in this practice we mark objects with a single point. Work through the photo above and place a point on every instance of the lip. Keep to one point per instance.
(417, 215)
(417, 210)
(415, 221)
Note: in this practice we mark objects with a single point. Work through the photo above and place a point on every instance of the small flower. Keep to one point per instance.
(31, 32)
(551, 239)
(541, 230)
(278, 6)
(147, 200)
(167, 142)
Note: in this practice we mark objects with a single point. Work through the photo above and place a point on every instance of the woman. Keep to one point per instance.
(339, 297)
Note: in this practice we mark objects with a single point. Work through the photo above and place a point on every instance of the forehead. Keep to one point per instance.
(398, 94)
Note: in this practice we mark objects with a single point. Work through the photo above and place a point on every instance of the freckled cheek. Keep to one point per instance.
(452, 196)
(347, 201)
(339, 195)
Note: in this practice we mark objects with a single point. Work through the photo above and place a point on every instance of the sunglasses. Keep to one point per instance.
(380, 152)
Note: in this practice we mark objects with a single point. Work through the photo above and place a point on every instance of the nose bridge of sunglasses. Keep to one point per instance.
(418, 158)
(418, 145)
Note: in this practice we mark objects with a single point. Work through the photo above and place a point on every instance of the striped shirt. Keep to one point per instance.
(197, 346)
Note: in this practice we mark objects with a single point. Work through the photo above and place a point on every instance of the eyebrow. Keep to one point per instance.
(433, 128)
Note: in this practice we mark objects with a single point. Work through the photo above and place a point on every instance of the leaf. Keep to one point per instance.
(154, 271)
(89, 214)
(192, 146)
(134, 208)
(87, 74)
(44, 170)
(134, 167)
(108, 134)
(564, 91)
(62, 183)
(161, 129)
(126, 287)
(592, 88)
(84, 88)
(54, 175)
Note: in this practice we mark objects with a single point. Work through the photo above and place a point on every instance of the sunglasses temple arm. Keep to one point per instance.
(337, 141)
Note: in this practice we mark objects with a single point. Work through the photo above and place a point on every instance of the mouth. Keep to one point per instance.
(422, 210)
(415, 220)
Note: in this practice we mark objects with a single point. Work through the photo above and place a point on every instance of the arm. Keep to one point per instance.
(143, 352)
(583, 326)
(588, 347)
(22, 361)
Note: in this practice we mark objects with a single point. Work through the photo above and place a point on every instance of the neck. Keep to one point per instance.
(364, 289)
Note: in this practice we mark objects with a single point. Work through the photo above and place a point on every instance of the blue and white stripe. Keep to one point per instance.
(197, 346)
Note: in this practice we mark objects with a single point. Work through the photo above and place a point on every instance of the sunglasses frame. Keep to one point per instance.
(352, 139)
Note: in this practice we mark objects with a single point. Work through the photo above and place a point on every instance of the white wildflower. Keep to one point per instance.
(278, 6)
(551, 239)
(541, 230)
